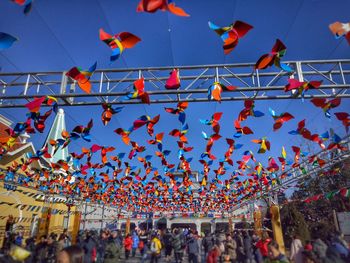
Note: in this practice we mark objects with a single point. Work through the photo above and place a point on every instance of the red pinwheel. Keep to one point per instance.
(305, 133)
(231, 34)
(274, 57)
(214, 121)
(180, 133)
(34, 106)
(82, 77)
(241, 130)
(152, 6)
(135, 149)
(124, 134)
(108, 112)
(248, 110)
(180, 110)
(173, 82)
(232, 147)
(118, 42)
(344, 117)
(139, 92)
(301, 87)
(158, 140)
(280, 119)
(326, 104)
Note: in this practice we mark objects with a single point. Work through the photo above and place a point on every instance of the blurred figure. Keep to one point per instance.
(30, 246)
(207, 244)
(309, 257)
(319, 248)
(156, 247)
(64, 236)
(41, 250)
(112, 251)
(89, 247)
(19, 239)
(308, 245)
(177, 243)
(193, 248)
(262, 245)
(167, 238)
(71, 254)
(248, 251)
(52, 248)
(214, 253)
(296, 249)
(143, 242)
(274, 255)
(230, 248)
(127, 246)
(135, 243)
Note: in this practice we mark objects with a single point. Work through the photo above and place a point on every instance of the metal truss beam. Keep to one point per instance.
(111, 85)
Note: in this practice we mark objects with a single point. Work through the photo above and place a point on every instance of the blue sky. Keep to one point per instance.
(58, 35)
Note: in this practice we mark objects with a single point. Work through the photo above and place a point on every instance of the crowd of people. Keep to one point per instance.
(178, 245)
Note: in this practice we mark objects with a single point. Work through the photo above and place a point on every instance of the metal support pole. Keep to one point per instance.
(103, 213)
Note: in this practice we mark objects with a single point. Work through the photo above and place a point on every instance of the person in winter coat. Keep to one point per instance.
(207, 243)
(135, 243)
(89, 247)
(248, 250)
(230, 248)
(112, 251)
(177, 244)
(41, 250)
(156, 248)
(127, 245)
(144, 242)
(296, 250)
(262, 245)
(319, 248)
(240, 247)
(52, 248)
(193, 248)
(167, 244)
(214, 254)
(274, 255)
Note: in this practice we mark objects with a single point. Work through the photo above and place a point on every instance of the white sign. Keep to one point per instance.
(344, 222)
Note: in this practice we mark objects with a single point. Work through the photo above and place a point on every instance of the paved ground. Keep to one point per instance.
(137, 259)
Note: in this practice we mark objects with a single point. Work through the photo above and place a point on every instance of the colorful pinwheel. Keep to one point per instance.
(118, 42)
(215, 90)
(231, 34)
(274, 57)
(341, 30)
(152, 6)
(280, 119)
(301, 87)
(326, 104)
(264, 144)
(82, 77)
(139, 92)
(108, 112)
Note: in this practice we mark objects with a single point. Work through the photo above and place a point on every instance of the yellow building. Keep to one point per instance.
(35, 213)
